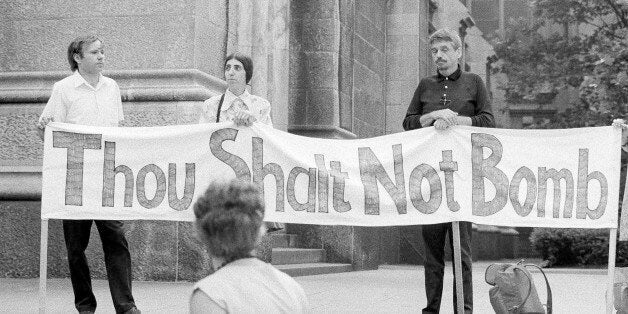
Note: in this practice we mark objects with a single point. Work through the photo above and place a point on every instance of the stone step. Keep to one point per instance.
(283, 240)
(282, 256)
(309, 269)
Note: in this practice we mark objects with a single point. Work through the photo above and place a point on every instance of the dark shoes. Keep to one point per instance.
(273, 229)
(133, 310)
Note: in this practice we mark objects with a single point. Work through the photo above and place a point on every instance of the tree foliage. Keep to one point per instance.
(570, 43)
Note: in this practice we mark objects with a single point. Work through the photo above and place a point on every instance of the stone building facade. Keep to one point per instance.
(330, 68)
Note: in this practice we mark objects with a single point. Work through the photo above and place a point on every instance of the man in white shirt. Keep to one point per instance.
(89, 98)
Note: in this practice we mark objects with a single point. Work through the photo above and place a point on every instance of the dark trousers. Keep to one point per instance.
(117, 263)
(434, 238)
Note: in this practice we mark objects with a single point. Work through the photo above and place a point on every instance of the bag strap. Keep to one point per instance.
(549, 290)
(530, 283)
(222, 98)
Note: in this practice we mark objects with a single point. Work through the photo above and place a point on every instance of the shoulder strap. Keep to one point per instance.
(530, 283)
(549, 290)
(222, 98)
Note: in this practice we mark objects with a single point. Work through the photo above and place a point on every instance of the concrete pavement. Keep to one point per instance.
(389, 289)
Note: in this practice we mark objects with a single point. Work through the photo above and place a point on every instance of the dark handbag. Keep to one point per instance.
(513, 290)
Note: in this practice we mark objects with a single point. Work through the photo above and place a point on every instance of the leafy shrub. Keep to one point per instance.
(571, 247)
(582, 247)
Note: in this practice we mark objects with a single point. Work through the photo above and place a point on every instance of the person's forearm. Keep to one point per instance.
(484, 119)
(411, 122)
(460, 120)
(484, 115)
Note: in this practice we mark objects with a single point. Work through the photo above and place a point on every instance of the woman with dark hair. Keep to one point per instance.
(229, 222)
(237, 104)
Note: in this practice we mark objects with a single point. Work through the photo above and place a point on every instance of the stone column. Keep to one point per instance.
(314, 60)
(261, 31)
(407, 58)
(167, 59)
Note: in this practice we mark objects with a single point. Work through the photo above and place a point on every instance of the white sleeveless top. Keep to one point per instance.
(252, 286)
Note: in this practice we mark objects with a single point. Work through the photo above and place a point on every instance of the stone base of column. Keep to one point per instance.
(322, 131)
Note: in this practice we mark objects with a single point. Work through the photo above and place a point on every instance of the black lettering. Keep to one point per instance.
(372, 171)
(485, 168)
(110, 170)
(76, 143)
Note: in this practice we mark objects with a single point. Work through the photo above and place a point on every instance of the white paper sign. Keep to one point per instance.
(540, 178)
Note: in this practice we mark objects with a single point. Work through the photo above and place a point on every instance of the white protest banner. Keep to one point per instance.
(539, 178)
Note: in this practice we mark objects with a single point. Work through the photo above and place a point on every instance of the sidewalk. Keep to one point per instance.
(390, 289)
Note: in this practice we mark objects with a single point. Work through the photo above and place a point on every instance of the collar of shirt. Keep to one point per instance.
(454, 76)
(79, 80)
(230, 97)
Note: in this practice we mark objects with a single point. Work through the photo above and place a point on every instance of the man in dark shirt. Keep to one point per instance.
(451, 97)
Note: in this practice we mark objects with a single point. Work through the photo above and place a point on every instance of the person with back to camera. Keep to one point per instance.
(229, 221)
(237, 104)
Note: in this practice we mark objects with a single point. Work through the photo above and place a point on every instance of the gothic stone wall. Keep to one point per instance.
(148, 44)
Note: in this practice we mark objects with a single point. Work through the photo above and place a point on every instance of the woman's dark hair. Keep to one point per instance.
(76, 47)
(246, 61)
(228, 218)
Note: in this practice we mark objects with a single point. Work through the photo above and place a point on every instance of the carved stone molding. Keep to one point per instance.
(135, 85)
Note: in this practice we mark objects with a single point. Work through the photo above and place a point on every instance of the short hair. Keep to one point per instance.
(228, 218)
(445, 34)
(246, 61)
(76, 47)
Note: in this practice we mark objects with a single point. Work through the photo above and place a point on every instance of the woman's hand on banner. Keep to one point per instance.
(244, 118)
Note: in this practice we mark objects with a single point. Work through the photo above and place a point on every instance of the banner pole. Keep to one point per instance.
(455, 227)
(612, 251)
(623, 220)
(43, 265)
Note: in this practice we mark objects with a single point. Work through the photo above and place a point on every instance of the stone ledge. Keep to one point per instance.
(135, 85)
(321, 131)
(20, 183)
